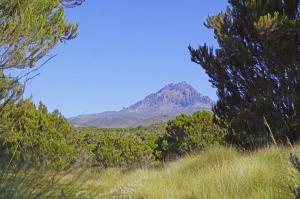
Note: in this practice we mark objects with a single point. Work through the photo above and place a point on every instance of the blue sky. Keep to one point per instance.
(125, 50)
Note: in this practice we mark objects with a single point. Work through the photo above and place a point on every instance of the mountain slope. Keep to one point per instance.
(161, 106)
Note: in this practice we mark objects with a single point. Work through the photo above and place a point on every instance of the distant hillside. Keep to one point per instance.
(161, 106)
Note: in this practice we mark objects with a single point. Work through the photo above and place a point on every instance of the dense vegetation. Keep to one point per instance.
(255, 87)
(256, 69)
(31, 135)
(125, 148)
(189, 134)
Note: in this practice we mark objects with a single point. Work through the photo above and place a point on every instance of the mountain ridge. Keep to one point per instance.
(169, 101)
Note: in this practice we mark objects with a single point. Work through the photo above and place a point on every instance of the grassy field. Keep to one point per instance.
(217, 173)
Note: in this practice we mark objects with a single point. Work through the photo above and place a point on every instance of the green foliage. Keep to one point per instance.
(36, 137)
(10, 89)
(31, 135)
(125, 151)
(256, 70)
(29, 29)
(124, 148)
(186, 134)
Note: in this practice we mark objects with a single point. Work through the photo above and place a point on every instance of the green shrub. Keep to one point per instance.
(125, 148)
(187, 134)
(34, 136)
(123, 151)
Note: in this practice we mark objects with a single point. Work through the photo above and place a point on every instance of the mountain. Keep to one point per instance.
(158, 107)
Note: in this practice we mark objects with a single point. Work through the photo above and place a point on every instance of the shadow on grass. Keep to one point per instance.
(25, 182)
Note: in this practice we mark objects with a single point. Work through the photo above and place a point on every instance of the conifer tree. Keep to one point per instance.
(256, 69)
(29, 29)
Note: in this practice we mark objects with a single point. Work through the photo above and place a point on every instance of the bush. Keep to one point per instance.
(186, 134)
(124, 151)
(124, 148)
(34, 136)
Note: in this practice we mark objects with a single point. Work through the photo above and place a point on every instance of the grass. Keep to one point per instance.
(216, 173)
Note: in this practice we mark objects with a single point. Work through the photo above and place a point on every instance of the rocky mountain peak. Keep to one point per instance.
(171, 100)
(171, 97)
(182, 86)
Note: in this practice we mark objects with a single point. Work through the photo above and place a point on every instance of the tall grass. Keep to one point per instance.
(216, 173)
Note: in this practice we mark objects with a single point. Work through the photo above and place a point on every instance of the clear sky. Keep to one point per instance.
(125, 50)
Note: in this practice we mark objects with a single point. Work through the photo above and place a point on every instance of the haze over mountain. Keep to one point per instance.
(161, 106)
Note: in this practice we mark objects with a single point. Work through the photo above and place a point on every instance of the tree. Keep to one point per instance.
(10, 90)
(256, 69)
(29, 29)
